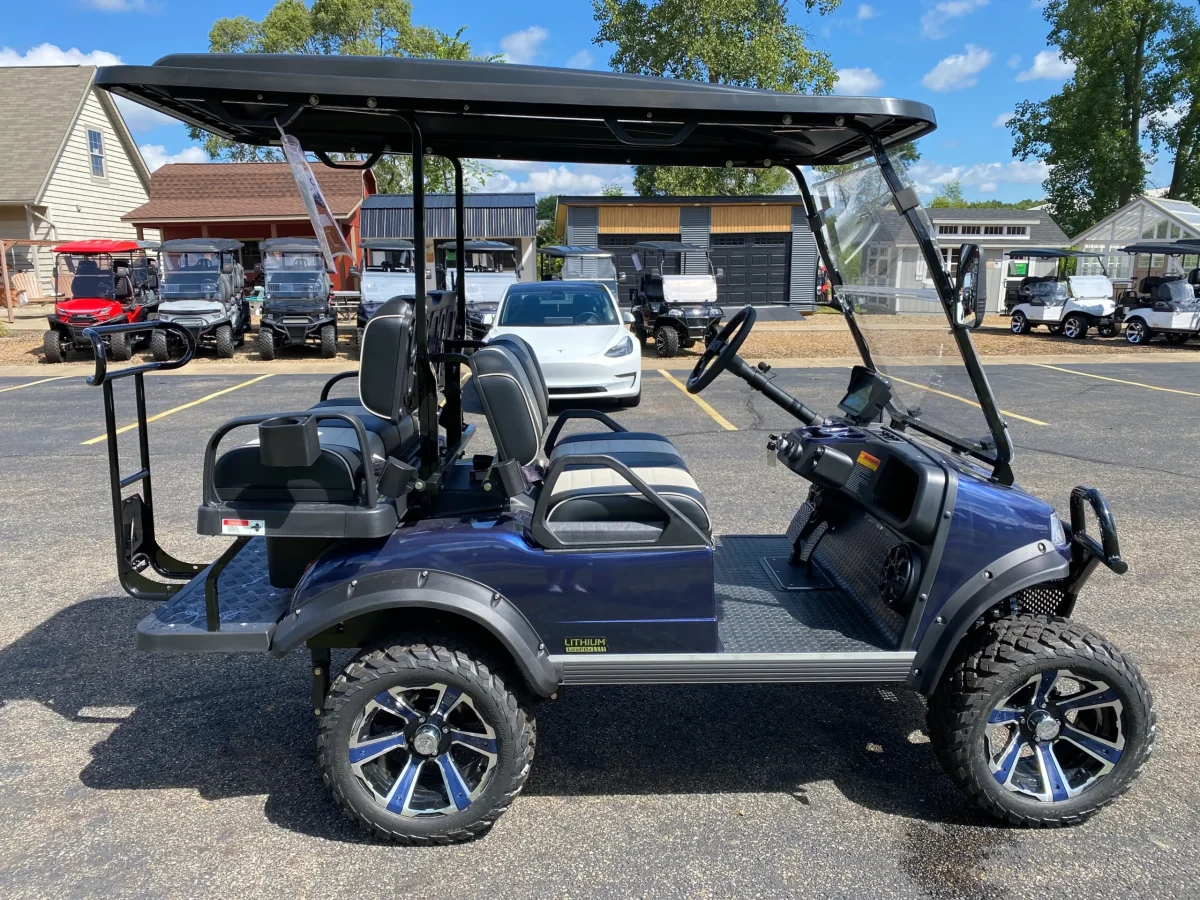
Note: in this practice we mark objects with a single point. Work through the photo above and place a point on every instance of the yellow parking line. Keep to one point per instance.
(925, 387)
(716, 416)
(169, 412)
(1149, 387)
(17, 387)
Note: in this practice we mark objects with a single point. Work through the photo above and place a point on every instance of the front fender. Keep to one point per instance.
(424, 589)
(1024, 567)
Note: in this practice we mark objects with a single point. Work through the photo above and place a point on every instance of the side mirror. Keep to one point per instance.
(621, 278)
(637, 262)
(627, 317)
(970, 294)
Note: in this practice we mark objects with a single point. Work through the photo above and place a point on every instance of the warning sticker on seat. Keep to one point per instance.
(585, 644)
(866, 459)
(246, 527)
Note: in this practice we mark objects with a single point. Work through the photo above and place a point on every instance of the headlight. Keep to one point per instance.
(675, 310)
(716, 311)
(489, 318)
(624, 348)
(150, 317)
(1057, 535)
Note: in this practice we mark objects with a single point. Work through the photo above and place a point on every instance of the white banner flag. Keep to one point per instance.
(329, 233)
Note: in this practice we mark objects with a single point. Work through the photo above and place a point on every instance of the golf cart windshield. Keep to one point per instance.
(537, 309)
(1180, 292)
(1047, 293)
(888, 288)
(89, 277)
(191, 275)
(294, 275)
(387, 259)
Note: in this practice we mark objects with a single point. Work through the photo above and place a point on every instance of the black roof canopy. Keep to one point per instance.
(385, 243)
(668, 247)
(290, 245)
(1049, 253)
(481, 246)
(200, 245)
(500, 111)
(563, 251)
(1163, 248)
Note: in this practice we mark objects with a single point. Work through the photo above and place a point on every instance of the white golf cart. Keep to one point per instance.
(1066, 304)
(1166, 304)
(579, 264)
(489, 268)
(387, 271)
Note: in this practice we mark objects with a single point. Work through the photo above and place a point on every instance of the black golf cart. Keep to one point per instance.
(297, 307)
(203, 289)
(675, 297)
(566, 263)
(472, 588)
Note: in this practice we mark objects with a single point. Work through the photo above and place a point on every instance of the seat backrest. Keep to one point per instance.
(652, 287)
(385, 369)
(533, 371)
(441, 313)
(1194, 277)
(509, 403)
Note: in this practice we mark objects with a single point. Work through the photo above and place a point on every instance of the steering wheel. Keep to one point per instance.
(587, 318)
(720, 352)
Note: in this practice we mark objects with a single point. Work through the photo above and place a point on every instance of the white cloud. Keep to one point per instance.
(561, 179)
(935, 22)
(524, 46)
(1001, 120)
(1014, 61)
(1049, 65)
(118, 5)
(987, 177)
(1172, 115)
(156, 155)
(866, 11)
(52, 55)
(581, 60)
(958, 71)
(857, 82)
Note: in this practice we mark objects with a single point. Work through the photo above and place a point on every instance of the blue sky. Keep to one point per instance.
(972, 60)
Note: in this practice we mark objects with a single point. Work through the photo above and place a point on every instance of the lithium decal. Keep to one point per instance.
(585, 644)
(249, 527)
(866, 459)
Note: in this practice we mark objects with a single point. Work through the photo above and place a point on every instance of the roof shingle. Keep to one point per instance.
(37, 107)
(260, 190)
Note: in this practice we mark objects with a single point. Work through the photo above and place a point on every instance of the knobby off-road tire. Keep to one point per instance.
(160, 349)
(989, 668)
(266, 343)
(494, 696)
(119, 345)
(52, 346)
(328, 341)
(224, 338)
(666, 342)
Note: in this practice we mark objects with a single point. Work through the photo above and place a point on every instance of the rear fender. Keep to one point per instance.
(425, 590)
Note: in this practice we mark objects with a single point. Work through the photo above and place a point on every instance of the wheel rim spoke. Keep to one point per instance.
(392, 701)
(400, 796)
(1053, 779)
(1102, 696)
(367, 750)
(1045, 685)
(1004, 714)
(1003, 768)
(456, 786)
(448, 699)
(1105, 751)
(480, 742)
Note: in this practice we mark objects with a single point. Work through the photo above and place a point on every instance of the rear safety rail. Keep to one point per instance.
(1107, 550)
(133, 516)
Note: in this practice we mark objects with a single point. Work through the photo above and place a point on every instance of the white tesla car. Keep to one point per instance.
(580, 338)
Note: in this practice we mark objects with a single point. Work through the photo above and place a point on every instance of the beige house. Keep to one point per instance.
(69, 168)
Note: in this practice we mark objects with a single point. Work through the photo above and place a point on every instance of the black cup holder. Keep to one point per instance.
(288, 441)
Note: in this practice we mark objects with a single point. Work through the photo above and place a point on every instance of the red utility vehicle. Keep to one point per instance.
(100, 282)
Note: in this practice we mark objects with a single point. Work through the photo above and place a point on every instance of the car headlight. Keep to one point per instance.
(150, 317)
(624, 348)
(716, 311)
(675, 310)
(489, 318)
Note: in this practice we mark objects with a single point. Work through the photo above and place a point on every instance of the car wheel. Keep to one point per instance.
(1019, 323)
(52, 346)
(666, 342)
(328, 341)
(119, 345)
(1178, 338)
(1040, 721)
(1106, 329)
(1136, 332)
(631, 402)
(1055, 329)
(160, 349)
(224, 338)
(1075, 327)
(266, 343)
(423, 742)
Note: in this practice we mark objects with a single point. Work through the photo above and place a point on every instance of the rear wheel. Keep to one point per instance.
(328, 341)
(224, 338)
(266, 343)
(119, 346)
(666, 342)
(159, 348)
(1178, 338)
(1040, 721)
(424, 743)
(1106, 329)
(1136, 332)
(1019, 323)
(1075, 327)
(1054, 329)
(53, 347)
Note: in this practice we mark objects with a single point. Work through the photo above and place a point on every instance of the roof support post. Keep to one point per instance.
(4, 245)
(452, 417)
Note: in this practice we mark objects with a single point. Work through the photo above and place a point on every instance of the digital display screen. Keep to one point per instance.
(867, 395)
(856, 401)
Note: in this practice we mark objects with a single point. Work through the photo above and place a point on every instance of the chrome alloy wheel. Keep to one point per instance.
(1056, 736)
(423, 750)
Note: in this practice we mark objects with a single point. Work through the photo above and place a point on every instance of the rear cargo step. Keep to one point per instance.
(249, 609)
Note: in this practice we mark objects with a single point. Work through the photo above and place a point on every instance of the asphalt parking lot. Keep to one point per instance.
(128, 775)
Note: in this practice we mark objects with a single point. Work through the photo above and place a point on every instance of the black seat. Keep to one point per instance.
(652, 288)
(337, 475)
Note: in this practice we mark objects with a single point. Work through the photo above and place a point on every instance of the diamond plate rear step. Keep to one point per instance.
(250, 608)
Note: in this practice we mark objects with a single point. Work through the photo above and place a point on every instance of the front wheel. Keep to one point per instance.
(1136, 332)
(1075, 327)
(119, 345)
(224, 338)
(666, 342)
(630, 402)
(159, 348)
(266, 343)
(1040, 721)
(423, 742)
(1019, 324)
(328, 341)
(1106, 329)
(640, 333)
(1178, 338)
(53, 346)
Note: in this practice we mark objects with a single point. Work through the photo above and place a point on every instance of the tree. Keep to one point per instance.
(1092, 131)
(739, 42)
(612, 189)
(353, 28)
(1177, 126)
(950, 196)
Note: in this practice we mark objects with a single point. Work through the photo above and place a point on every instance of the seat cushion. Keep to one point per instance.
(335, 477)
(599, 494)
(395, 436)
(634, 448)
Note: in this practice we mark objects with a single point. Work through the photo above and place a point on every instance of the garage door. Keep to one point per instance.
(622, 247)
(756, 267)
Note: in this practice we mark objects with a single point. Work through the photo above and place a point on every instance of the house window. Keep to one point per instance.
(950, 259)
(970, 229)
(1017, 229)
(993, 229)
(947, 229)
(878, 259)
(96, 152)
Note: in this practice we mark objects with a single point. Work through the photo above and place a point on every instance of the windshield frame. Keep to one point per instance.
(999, 453)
